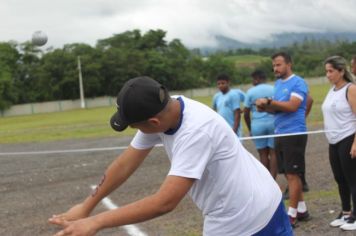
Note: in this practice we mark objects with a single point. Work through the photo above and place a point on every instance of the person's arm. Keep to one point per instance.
(237, 118)
(247, 118)
(172, 191)
(214, 107)
(272, 106)
(309, 105)
(351, 95)
(116, 174)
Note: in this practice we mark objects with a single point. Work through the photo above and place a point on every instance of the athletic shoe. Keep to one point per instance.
(350, 224)
(340, 220)
(305, 216)
(293, 221)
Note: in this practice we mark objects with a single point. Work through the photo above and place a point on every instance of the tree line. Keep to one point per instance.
(29, 74)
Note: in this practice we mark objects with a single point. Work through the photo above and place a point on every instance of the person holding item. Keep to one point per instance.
(289, 106)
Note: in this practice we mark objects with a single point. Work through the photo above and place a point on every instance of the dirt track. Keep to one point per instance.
(33, 187)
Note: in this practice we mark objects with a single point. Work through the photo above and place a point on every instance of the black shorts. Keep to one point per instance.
(290, 152)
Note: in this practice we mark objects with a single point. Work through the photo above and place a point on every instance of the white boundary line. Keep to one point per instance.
(159, 145)
(132, 230)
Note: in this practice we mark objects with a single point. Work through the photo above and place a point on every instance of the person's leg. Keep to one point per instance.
(273, 166)
(348, 165)
(304, 182)
(258, 129)
(344, 190)
(302, 174)
(272, 162)
(278, 149)
(295, 147)
(279, 158)
(295, 190)
(263, 153)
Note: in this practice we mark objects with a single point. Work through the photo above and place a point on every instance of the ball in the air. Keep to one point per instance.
(39, 38)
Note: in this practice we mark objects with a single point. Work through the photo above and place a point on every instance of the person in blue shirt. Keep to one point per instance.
(227, 103)
(261, 123)
(289, 106)
(241, 93)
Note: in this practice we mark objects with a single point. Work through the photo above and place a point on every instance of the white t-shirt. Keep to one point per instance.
(338, 115)
(235, 192)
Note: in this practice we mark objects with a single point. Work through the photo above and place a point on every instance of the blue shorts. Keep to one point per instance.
(259, 128)
(279, 225)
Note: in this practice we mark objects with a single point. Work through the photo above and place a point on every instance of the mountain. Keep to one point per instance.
(279, 40)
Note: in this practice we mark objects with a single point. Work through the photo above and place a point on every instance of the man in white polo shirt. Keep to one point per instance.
(234, 191)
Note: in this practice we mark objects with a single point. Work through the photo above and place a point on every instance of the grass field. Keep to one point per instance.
(91, 123)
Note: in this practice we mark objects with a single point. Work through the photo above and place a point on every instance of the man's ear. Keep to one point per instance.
(154, 121)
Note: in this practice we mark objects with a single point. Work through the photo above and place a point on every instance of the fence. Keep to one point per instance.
(64, 105)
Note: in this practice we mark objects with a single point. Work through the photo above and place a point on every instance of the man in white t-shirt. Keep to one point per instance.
(234, 191)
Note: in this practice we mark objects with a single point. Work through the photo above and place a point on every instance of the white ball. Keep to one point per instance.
(39, 38)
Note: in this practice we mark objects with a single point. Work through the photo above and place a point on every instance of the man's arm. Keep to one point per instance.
(309, 105)
(263, 104)
(116, 174)
(237, 118)
(214, 103)
(247, 118)
(351, 97)
(172, 191)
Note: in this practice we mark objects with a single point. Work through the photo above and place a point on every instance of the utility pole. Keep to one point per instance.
(81, 90)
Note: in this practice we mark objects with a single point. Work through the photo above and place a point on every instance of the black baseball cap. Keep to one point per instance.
(138, 100)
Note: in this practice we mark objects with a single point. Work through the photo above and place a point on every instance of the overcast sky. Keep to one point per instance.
(195, 22)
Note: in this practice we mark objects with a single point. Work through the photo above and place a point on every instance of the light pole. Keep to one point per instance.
(81, 90)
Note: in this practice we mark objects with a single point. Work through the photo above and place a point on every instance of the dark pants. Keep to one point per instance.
(344, 170)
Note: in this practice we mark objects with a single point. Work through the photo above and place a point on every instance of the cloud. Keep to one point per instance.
(195, 22)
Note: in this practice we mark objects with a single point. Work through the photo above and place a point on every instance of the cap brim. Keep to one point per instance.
(117, 123)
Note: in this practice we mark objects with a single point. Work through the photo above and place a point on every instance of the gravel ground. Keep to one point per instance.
(33, 187)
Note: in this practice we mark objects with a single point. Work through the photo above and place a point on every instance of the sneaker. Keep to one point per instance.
(340, 220)
(305, 216)
(293, 221)
(286, 194)
(350, 224)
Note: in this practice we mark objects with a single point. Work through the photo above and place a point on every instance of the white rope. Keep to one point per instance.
(159, 145)
(66, 151)
(284, 135)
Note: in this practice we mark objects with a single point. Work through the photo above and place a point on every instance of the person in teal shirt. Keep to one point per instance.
(227, 103)
(261, 123)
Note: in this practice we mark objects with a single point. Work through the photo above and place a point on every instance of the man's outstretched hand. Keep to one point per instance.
(74, 222)
(75, 213)
(82, 227)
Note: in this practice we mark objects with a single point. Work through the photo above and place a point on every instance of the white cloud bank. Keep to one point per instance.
(195, 22)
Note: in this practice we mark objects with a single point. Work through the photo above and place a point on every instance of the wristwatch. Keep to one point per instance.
(269, 100)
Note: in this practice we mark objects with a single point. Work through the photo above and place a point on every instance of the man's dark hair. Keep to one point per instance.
(287, 58)
(223, 77)
(258, 74)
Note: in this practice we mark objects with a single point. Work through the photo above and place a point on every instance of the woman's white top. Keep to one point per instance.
(339, 120)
